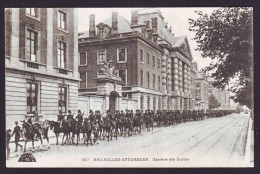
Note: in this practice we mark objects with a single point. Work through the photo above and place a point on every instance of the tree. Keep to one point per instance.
(213, 102)
(226, 36)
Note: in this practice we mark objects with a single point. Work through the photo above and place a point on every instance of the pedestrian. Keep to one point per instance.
(16, 133)
(8, 138)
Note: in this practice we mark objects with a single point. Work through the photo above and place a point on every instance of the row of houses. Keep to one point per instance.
(52, 67)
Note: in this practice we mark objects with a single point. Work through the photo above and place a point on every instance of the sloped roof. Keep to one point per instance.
(123, 25)
(178, 41)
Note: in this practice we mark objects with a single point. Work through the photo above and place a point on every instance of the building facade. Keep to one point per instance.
(201, 92)
(41, 62)
(154, 65)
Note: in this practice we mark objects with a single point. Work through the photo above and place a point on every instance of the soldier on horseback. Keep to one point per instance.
(79, 117)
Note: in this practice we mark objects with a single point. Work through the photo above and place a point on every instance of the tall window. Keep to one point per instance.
(122, 74)
(62, 46)
(159, 83)
(121, 55)
(153, 81)
(101, 56)
(62, 99)
(159, 63)
(148, 80)
(142, 102)
(148, 58)
(154, 103)
(83, 82)
(141, 55)
(148, 102)
(62, 20)
(31, 44)
(83, 58)
(142, 77)
(31, 11)
(32, 91)
(153, 61)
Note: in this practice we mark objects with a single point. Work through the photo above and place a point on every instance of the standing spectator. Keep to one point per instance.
(16, 133)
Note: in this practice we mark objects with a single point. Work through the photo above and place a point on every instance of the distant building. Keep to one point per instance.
(201, 93)
(221, 95)
(154, 65)
(41, 62)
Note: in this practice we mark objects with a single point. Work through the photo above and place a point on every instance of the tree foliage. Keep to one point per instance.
(226, 36)
(213, 102)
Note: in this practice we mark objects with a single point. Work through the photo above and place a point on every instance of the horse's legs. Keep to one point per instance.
(33, 144)
(57, 135)
(25, 145)
(63, 139)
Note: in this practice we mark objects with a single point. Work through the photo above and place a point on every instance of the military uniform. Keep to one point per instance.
(16, 133)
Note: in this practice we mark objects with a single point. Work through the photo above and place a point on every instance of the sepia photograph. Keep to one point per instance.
(129, 87)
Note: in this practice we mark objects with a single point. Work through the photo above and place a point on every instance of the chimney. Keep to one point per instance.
(154, 24)
(114, 23)
(134, 17)
(92, 27)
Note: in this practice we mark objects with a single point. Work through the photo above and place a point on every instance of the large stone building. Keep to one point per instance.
(41, 61)
(154, 65)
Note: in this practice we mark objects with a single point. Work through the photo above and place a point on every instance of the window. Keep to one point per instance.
(62, 20)
(121, 55)
(141, 55)
(148, 80)
(148, 102)
(101, 33)
(159, 63)
(159, 83)
(142, 102)
(83, 82)
(32, 96)
(62, 99)
(83, 58)
(62, 47)
(122, 74)
(31, 44)
(142, 77)
(153, 81)
(159, 103)
(148, 58)
(153, 61)
(31, 11)
(101, 56)
(154, 103)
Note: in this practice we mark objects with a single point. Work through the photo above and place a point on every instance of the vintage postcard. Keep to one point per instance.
(129, 87)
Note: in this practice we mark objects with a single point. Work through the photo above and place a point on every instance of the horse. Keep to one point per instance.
(148, 123)
(137, 125)
(65, 128)
(30, 131)
(75, 128)
(87, 129)
(127, 126)
(108, 129)
(55, 126)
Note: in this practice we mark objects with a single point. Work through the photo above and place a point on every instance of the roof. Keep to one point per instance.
(178, 41)
(124, 25)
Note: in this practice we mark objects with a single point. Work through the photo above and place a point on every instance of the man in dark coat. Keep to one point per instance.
(16, 133)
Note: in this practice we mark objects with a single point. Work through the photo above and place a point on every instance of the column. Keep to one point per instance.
(164, 102)
(75, 59)
(169, 73)
(189, 82)
(180, 76)
(185, 78)
(164, 74)
(176, 74)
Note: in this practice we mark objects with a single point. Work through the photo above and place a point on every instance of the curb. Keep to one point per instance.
(248, 145)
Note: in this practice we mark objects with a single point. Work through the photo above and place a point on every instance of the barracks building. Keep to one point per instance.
(154, 65)
(41, 62)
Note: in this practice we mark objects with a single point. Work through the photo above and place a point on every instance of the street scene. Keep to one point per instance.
(129, 87)
(171, 146)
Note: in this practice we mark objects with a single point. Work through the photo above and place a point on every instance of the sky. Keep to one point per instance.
(177, 18)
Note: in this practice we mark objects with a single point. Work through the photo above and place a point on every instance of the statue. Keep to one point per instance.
(108, 68)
